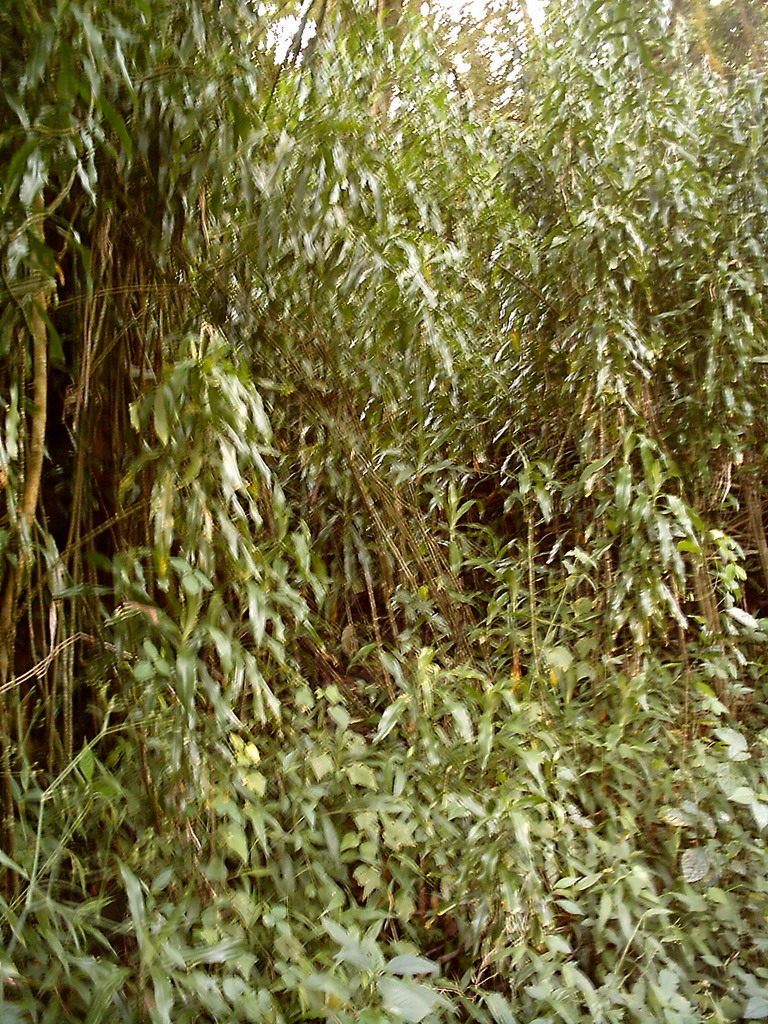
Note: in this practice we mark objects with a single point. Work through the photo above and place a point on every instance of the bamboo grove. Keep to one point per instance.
(383, 577)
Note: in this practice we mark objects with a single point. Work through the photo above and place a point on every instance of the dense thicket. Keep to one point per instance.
(383, 558)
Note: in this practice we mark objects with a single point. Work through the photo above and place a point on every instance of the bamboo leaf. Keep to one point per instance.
(407, 999)
(406, 964)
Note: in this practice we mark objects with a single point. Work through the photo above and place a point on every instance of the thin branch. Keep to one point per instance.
(39, 334)
(44, 664)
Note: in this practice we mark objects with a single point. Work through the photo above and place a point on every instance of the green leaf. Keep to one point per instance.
(391, 717)
(463, 721)
(86, 763)
(339, 935)
(407, 964)
(743, 618)
(571, 908)
(12, 865)
(161, 416)
(736, 742)
(559, 658)
(117, 124)
(544, 499)
(340, 715)
(255, 782)
(162, 879)
(694, 864)
(322, 764)
(361, 775)
(760, 813)
(591, 474)
(407, 999)
(742, 795)
(756, 1008)
(485, 738)
(398, 833)
(135, 897)
(360, 955)
(623, 487)
(235, 840)
(500, 1008)
(369, 877)
(163, 995)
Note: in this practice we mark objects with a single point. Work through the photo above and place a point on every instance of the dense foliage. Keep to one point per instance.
(383, 595)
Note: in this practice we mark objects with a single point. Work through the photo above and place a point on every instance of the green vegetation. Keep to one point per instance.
(383, 605)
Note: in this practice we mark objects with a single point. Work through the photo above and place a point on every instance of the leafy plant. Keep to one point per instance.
(381, 613)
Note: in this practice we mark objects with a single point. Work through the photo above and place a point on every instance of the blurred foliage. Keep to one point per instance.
(383, 585)
(726, 35)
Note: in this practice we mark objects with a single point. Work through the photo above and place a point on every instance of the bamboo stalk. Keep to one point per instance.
(36, 324)
(749, 35)
(700, 19)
